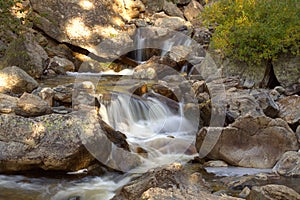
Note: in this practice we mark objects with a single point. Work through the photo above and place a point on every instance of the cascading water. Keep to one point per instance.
(149, 123)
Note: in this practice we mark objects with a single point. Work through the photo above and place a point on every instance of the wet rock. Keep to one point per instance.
(30, 105)
(192, 10)
(27, 54)
(61, 65)
(215, 163)
(243, 143)
(273, 192)
(15, 80)
(173, 176)
(54, 142)
(8, 103)
(287, 70)
(172, 10)
(244, 193)
(290, 109)
(289, 164)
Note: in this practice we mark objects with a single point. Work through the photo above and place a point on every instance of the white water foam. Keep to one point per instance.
(124, 72)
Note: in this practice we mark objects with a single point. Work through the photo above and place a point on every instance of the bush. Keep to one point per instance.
(254, 30)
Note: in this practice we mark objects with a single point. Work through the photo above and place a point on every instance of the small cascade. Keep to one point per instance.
(139, 42)
(150, 124)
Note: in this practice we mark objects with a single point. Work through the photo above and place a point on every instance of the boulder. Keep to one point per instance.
(248, 142)
(273, 192)
(154, 5)
(78, 22)
(30, 105)
(172, 176)
(289, 164)
(27, 54)
(192, 10)
(298, 133)
(177, 194)
(202, 36)
(55, 142)
(8, 103)
(174, 23)
(15, 80)
(290, 109)
(172, 10)
(61, 65)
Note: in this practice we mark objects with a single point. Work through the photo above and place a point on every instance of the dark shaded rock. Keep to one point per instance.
(273, 192)
(171, 9)
(61, 65)
(15, 80)
(289, 164)
(243, 143)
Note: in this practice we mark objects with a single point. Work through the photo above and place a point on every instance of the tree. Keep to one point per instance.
(254, 31)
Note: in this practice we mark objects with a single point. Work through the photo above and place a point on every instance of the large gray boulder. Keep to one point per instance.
(16, 80)
(27, 54)
(249, 141)
(55, 142)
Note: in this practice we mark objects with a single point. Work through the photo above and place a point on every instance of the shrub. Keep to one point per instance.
(254, 30)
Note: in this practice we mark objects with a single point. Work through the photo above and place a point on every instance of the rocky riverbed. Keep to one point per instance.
(123, 100)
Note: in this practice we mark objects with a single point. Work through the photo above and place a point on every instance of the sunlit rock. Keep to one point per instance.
(30, 105)
(15, 80)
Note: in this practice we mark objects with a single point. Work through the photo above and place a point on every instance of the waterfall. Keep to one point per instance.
(149, 123)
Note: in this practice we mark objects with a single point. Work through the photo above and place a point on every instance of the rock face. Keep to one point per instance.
(249, 141)
(287, 70)
(273, 192)
(78, 22)
(289, 164)
(15, 80)
(290, 109)
(52, 142)
(30, 105)
(27, 54)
